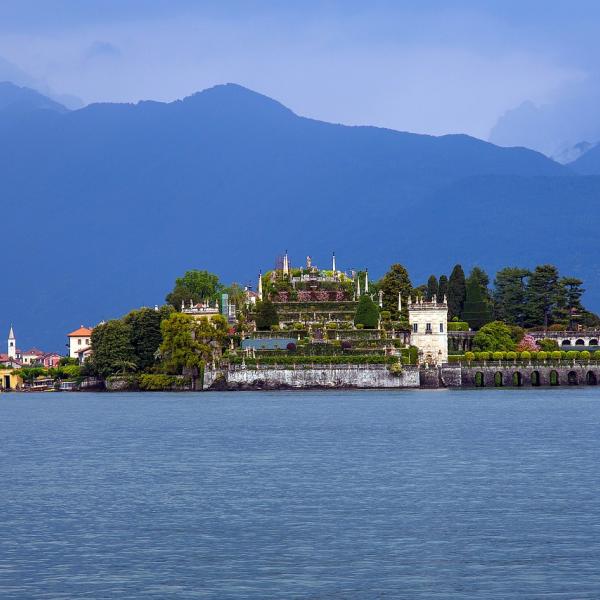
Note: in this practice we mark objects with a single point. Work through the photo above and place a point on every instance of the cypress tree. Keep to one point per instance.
(476, 311)
(457, 292)
(442, 287)
(432, 288)
(367, 313)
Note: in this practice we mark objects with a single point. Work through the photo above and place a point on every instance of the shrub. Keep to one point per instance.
(525, 355)
(556, 355)
(585, 355)
(275, 328)
(533, 355)
(298, 326)
(572, 354)
(511, 355)
(360, 326)
(395, 369)
(331, 325)
(597, 354)
(155, 383)
(386, 315)
(458, 326)
(548, 345)
(557, 327)
(542, 355)
(291, 347)
(484, 355)
(469, 356)
(498, 355)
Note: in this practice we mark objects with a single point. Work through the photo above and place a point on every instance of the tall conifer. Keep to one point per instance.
(457, 292)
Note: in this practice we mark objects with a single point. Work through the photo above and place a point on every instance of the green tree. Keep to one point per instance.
(442, 287)
(483, 279)
(432, 288)
(189, 343)
(111, 347)
(195, 286)
(570, 308)
(146, 335)
(266, 315)
(367, 313)
(457, 292)
(179, 348)
(494, 337)
(543, 296)
(476, 311)
(510, 289)
(236, 295)
(394, 281)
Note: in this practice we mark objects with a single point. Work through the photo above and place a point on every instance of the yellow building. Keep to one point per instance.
(9, 381)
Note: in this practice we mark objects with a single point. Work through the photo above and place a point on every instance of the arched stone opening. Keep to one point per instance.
(591, 378)
(479, 379)
(517, 379)
(535, 379)
(572, 378)
(498, 380)
(554, 377)
(580, 342)
(593, 342)
(565, 343)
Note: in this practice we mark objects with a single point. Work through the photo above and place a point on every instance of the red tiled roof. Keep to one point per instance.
(34, 352)
(81, 332)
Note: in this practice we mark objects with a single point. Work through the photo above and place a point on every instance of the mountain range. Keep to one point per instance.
(104, 206)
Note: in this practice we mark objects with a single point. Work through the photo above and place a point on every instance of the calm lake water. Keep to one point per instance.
(490, 494)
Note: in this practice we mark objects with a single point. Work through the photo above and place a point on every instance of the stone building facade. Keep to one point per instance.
(429, 330)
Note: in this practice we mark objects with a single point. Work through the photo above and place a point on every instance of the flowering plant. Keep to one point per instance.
(528, 344)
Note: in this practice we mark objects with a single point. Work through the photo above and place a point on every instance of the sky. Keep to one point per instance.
(431, 67)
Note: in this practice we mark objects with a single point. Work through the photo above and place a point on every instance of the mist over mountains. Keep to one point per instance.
(107, 204)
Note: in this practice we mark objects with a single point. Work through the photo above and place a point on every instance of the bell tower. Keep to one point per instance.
(12, 344)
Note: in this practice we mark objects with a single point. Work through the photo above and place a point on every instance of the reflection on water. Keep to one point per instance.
(409, 494)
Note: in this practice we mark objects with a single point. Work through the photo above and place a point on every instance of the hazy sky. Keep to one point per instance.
(431, 67)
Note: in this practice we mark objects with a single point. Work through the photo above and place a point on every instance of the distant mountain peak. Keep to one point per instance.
(20, 100)
(234, 96)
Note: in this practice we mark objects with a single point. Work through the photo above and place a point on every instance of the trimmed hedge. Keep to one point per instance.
(350, 359)
(526, 356)
(458, 326)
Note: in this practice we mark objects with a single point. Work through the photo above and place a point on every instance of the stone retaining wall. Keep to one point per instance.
(338, 376)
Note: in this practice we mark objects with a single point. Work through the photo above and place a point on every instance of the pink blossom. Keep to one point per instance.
(528, 343)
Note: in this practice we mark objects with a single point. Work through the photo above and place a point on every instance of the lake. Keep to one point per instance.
(352, 494)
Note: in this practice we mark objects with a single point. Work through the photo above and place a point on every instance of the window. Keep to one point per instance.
(79, 341)
(441, 328)
(87, 342)
(428, 328)
(415, 327)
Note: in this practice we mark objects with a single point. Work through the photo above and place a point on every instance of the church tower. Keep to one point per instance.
(12, 344)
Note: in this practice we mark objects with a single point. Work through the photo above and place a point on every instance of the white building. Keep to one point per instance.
(429, 330)
(79, 341)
